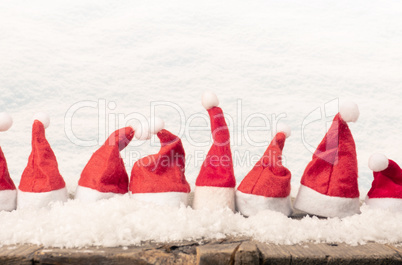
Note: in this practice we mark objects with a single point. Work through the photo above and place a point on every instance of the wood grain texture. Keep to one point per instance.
(18, 254)
(231, 250)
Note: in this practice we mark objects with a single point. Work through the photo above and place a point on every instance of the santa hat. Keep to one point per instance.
(41, 182)
(105, 175)
(329, 184)
(386, 189)
(267, 185)
(159, 178)
(8, 193)
(216, 182)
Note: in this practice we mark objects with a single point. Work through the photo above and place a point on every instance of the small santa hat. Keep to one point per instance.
(8, 192)
(386, 189)
(41, 182)
(105, 175)
(329, 185)
(215, 184)
(267, 185)
(159, 178)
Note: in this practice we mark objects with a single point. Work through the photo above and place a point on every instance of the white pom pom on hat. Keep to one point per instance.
(284, 128)
(43, 117)
(209, 100)
(157, 124)
(6, 121)
(349, 111)
(378, 162)
(142, 132)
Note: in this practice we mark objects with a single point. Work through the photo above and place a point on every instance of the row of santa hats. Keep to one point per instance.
(328, 188)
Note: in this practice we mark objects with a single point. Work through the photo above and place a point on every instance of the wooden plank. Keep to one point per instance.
(224, 251)
(370, 253)
(328, 254)
(247, 254)
(396, 248)
(217, 253)
(75, 256)
(118, 255)
(274, 254)
(18, 254)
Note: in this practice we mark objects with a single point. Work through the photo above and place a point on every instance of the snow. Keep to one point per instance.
(120, 221)
(96, 66)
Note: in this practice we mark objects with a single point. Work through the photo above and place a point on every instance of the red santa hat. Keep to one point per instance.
(41, 182)
(215, 184)
(329, 185)
(105, 175)
(8, 192)
(267, 185)
(386, 189)
(159, 178)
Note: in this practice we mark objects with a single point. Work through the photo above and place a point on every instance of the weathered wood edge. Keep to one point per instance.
(224, 251)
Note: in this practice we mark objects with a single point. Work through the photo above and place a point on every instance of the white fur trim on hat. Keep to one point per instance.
(378, 162)
(43, 117)
(6, 121)
(213, 198)
(8, 200)
(174, 199)
(349, 111)
(391, 204)
(313, 202)
(86, 194)
(40, 199)
(209, 100)
(250, 204)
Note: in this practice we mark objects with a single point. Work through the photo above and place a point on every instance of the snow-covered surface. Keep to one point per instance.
(120, 222)
(88, 63)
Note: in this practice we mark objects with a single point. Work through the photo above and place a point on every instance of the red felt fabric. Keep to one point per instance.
(42, 172)
(217, 169)
(269, 177)
(105, 170)
(333, 169)
(161, 172)
(6, 183)
(387, 183)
